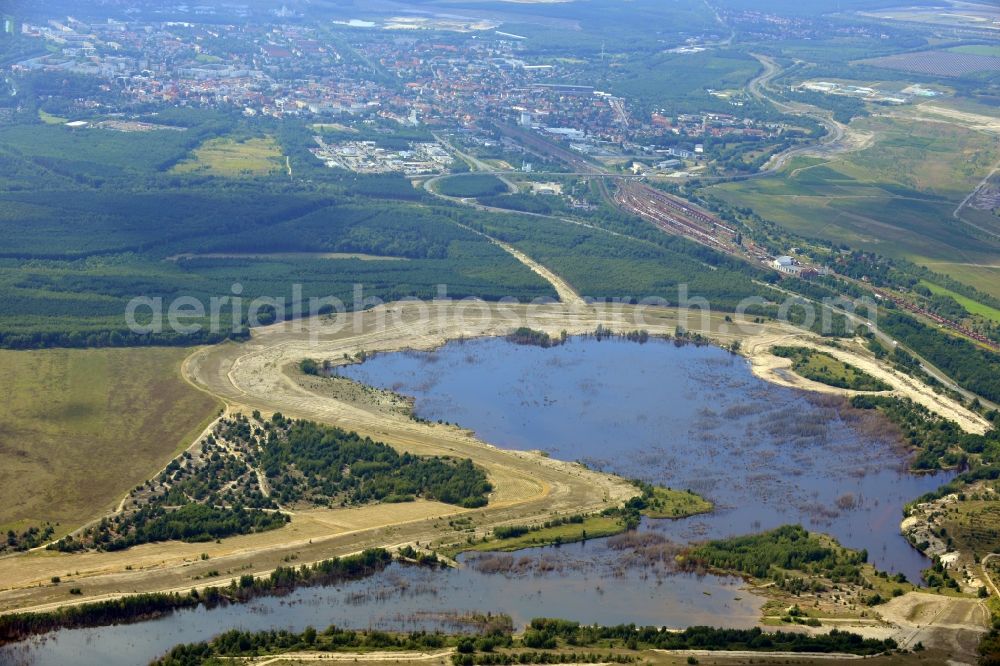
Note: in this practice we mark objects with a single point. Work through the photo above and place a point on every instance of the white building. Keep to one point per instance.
(784, 263)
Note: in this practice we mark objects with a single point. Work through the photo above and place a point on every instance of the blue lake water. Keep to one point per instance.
(686, 417)
(691, 417)
(580, 581)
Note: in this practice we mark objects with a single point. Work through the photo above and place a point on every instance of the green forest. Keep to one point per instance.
(973, 367)
(786, 548)
(307, 461)
(471, 186)
(496, 646)
(109, 223)
(937, 441)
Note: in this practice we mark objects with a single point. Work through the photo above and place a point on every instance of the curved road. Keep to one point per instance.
(827, 145)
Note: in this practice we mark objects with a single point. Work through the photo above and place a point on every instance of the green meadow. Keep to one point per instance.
(895, 197)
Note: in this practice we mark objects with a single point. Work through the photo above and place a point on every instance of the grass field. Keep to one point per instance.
(50, 119)
(975, 307)
(669, 503)
(978, 49)
(895, 197)
(471, 186)
(79, 428)
(985, 277)
(228, 157)
(973, 524)
(591, 528)
(665, 503)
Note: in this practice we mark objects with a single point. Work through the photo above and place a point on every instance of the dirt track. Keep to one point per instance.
(528, 487)
(990, 124)
(946, 623)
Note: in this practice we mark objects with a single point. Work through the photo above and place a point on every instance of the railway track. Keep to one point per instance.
(938, 319)
(675, 216)
(670, 214)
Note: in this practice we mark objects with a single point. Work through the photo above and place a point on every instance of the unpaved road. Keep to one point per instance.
(563, 289)
(566, 293)
(988, 578)
(778, 370)
(379, 657)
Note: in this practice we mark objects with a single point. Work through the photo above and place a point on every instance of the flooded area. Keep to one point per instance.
(580, 581)
(686, 417)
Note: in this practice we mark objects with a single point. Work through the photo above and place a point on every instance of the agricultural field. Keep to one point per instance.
(895, 197)
(229, 157)
(985, 276)
(938, 63)
(80, 428)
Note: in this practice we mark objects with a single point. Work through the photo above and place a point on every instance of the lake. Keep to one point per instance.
(687, 417)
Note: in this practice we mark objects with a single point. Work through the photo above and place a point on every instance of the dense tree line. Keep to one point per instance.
(46, 339)
(236, 643)
(191, 522)
(529, 336)
(547, 631)
(939, 442)
(536, 646)
(131, 608)
(533, 657)
(139, 607)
